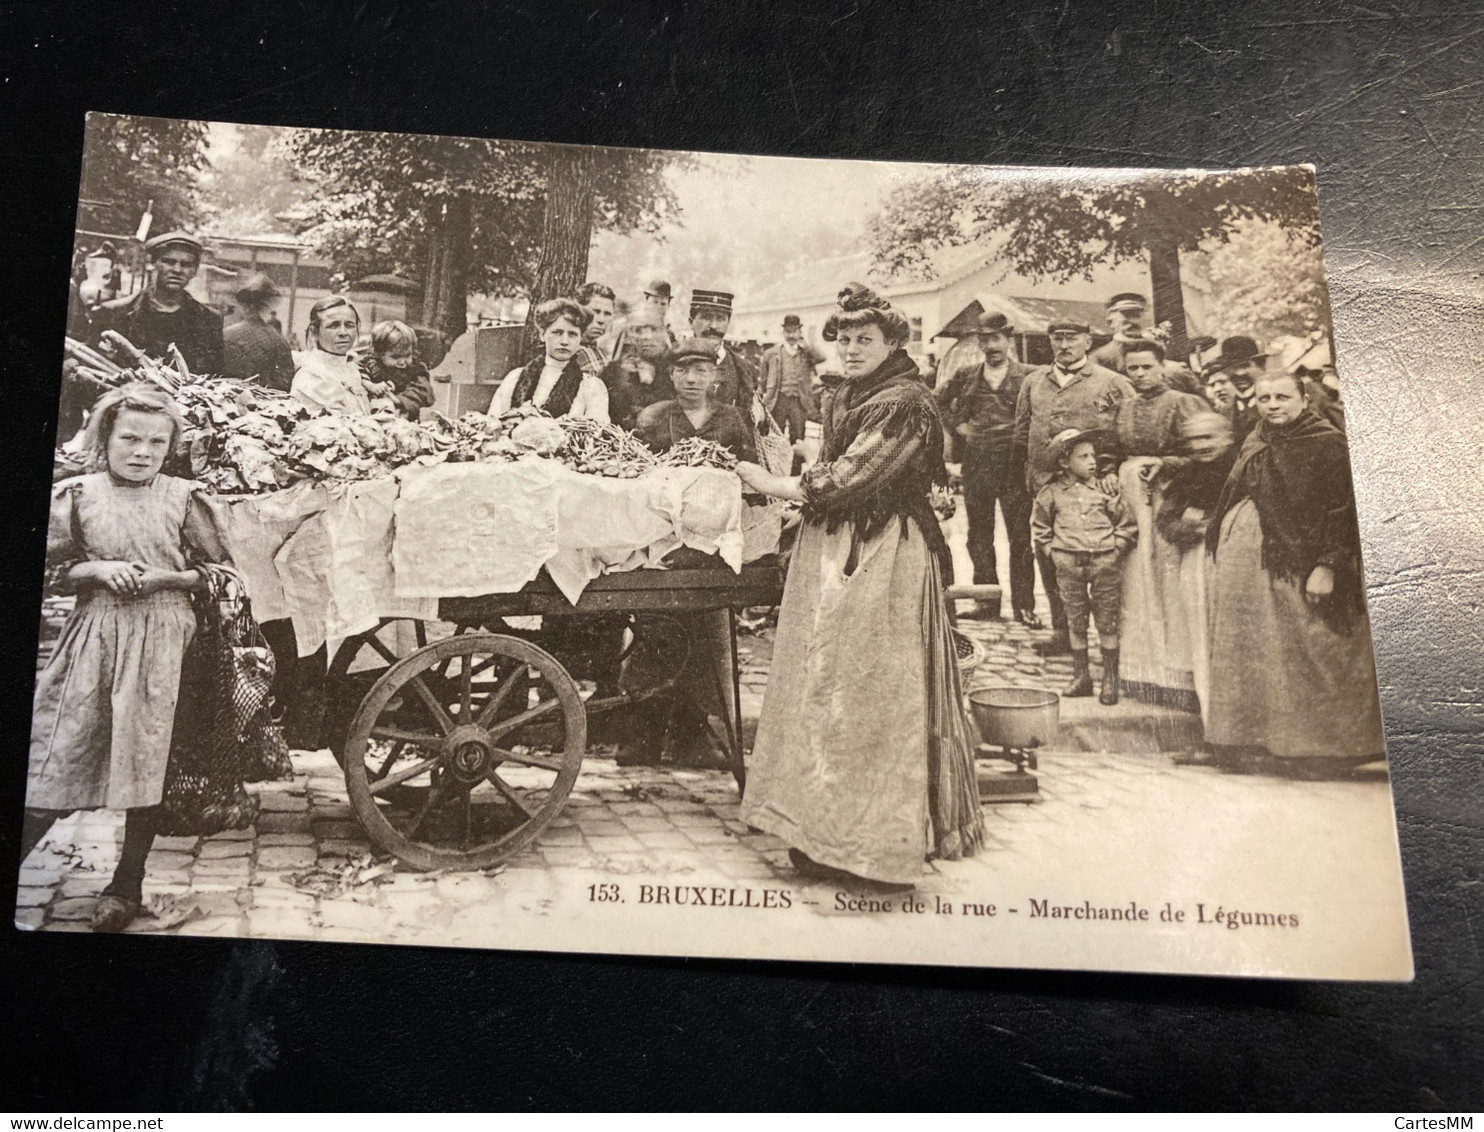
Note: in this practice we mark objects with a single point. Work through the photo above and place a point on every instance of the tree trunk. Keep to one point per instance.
(566, 227)
(1169, 299)
(446, 282)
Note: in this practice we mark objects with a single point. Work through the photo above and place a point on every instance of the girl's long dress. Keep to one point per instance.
(864, 755)
(105, 702)
(1281, 678)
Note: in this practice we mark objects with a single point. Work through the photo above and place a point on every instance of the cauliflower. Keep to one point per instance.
(540, 435)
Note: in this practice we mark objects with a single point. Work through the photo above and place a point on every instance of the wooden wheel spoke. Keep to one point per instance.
(397, 749)
(499, 696)
(434, 796)
(466, 694)
(528, 758)
(440, 713)
(511, 794)
(402, 776)
(417, 738)
(505, 726)
(380, 646)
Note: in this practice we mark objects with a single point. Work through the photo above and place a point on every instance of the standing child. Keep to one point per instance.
(127, 539)
(393, 368)
(1087, 531)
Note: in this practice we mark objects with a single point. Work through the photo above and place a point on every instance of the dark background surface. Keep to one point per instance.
(1384, 98)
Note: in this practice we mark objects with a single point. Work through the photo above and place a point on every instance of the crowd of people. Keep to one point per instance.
(1201, 519)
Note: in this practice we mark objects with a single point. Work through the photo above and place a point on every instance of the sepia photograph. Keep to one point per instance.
(503, 544)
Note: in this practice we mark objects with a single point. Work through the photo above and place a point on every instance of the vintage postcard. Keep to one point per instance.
(509, 545)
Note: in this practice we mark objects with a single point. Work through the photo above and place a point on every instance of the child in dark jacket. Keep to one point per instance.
(394, 368)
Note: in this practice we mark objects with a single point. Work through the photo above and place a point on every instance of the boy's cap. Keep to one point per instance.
(1063, 441)
(693, 349)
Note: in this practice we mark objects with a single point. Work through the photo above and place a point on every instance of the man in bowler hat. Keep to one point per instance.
(788, 379)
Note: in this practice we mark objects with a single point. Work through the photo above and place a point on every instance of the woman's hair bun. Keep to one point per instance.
(859, 297)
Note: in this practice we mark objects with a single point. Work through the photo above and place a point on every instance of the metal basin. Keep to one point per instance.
(1015, 717)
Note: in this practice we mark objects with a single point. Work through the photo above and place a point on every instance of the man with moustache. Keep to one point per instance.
(736, 380)
(788, 379)
(978, 403)
(1238, 366)
(1126, 315)
(163, 313)
(640, 375)
(1074, 392)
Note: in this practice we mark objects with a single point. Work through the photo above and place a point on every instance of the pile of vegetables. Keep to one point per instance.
(244, 438)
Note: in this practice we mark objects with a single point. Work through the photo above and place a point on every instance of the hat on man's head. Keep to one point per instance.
(257, 288)
(1127, 301)
(993, 322)
(156, 244)
(658, 289)
(791, 322)
(1235, 351)
(693, 349)
(1067, 326)
(712, 300)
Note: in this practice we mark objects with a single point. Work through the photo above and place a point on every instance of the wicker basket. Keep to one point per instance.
(970, 653)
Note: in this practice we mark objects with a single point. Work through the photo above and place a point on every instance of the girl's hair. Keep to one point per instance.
(138, 398)
(387, 336)
(860, 306)
(574, 312)
(328, 303)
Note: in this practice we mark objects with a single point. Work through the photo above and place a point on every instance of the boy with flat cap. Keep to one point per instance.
(163, 312)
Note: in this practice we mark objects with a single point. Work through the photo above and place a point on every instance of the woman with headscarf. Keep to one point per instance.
(864, 757)
(1293, 680)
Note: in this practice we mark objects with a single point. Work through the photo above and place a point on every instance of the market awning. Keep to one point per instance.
(1026, 314)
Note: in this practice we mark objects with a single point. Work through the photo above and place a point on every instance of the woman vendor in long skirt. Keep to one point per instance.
(864, 757)
(1293, 681)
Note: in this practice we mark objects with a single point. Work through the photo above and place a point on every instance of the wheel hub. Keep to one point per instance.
(467, 753)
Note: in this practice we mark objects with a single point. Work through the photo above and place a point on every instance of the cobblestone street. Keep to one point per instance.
(1114, 814)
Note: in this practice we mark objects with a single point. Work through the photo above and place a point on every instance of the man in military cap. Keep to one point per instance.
(1073, 392)
(163, 312)
(736, 381)
(788, 379)
(978, 403)
(252, 348)
(1126, 316)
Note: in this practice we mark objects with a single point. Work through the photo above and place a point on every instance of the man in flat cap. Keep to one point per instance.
(163, 313)
(1073, 392)
(788, 379)
(736, 381)
(1126, 317)
(250, 347)
(977, 402)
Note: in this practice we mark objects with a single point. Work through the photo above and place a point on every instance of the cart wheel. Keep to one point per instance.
(487, 731)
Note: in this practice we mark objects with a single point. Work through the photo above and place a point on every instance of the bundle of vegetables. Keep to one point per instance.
(604, 449)
(171, 375)
(698, 452)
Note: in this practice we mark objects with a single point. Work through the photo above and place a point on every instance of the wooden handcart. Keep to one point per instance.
(459, 751)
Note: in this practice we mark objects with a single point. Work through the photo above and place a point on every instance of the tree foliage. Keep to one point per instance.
(127, 162)
(459, 214)
(1044, 228)
(1263, 283)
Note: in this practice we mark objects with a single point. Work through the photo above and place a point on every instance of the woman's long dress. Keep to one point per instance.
(105, 702)
(1296, 679)
(1281, 678)
(1158, 664)
(864, 756)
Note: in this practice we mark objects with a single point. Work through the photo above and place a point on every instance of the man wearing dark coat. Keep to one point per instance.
(252, 348)
(163, 313)
(977, 402)
(736, 380)
(1126, 316)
